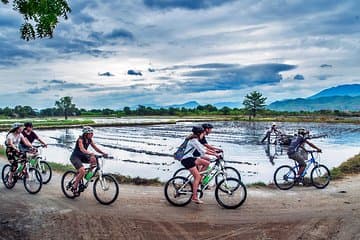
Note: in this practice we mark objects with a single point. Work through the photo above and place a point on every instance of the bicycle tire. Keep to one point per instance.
(67, 182)
(5, 175)
(33, 176)
(234, 187)
(287, 174)
(235, 174)
(98, 183)
(177, 183)
(323, 173)
(46, 171)
(183, 172)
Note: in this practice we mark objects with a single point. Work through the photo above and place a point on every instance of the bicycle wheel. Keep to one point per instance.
(45, 170)
(320, 176)
(32, 181)
(178, 191)
(284, 177)
(106, 190)
(67, 181)
(230, 173)
(230, 193)
(5, 176)
(183, 172)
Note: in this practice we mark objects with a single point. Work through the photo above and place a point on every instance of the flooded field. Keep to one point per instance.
(145, 151)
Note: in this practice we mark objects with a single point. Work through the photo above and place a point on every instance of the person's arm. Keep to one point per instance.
(40, 140)
(81, 147)
(25, 141)
(97, 149)
(312, 145)
(10, 143)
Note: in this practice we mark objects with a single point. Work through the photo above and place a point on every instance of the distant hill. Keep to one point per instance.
(342, 103)
(351, 90)
(343, 97)
(189, 105)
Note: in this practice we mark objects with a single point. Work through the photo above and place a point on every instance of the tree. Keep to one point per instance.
(254, 102)
(66, 106)
(40, 16)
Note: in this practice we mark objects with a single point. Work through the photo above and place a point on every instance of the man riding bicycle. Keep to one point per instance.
(296, 149)
(208, 128)
(81, 155)
(31, 136)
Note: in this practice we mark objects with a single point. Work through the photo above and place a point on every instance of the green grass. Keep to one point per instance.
(351, 166)
(257, 184)
(47, 123)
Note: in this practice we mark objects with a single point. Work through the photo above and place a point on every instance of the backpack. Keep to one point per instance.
(180, 152)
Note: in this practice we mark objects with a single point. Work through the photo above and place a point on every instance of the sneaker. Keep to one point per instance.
(197, 201)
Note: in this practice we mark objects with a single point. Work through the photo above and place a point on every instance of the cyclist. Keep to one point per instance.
(31, 136)
(272, 129)
(208, 128)
(13, 139)
(196, 164)
(81, 155)
(296, 149)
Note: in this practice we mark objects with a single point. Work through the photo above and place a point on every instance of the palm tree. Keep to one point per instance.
(254, 102)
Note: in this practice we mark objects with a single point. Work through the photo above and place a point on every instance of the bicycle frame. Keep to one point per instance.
(99, 170)
(309, 163)
(218, 166)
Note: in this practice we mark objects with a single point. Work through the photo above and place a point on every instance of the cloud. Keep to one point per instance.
(120, 34)
(299, 77)
(226, 78)
(186, 4)
(326, 66)
(57, 85)
(134, 72)
(106, 74)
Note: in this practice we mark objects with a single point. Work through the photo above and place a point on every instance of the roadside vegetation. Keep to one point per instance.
(351, 166)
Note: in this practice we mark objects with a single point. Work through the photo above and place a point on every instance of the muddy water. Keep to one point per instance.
(145, 151)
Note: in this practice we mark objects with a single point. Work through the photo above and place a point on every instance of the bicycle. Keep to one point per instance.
(39, 162)
(225, 170)
(285, 176)
(178, 190)
(103, 183)
(31, 176)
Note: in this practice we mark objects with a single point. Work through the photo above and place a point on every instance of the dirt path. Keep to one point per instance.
(143, 213)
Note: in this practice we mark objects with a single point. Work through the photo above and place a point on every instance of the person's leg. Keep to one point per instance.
(301, 161)
(79, 176)
(202, 164)
(197, 178)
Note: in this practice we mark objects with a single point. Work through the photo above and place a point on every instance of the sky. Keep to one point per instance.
(112, 54)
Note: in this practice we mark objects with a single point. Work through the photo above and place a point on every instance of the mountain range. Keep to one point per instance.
(343, 97)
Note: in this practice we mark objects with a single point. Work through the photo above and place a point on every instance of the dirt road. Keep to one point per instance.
(142, 213)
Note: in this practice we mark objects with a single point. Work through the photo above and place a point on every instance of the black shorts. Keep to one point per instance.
(78, 159)
(188, 162)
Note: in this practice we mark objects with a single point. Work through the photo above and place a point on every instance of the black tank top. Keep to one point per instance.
(86, 144)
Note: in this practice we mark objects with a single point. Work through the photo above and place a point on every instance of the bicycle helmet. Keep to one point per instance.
(197, 130)
(28, 124)
(87, 129)
(207, 125)
(302, 131)
(273, 124)
(16, 125)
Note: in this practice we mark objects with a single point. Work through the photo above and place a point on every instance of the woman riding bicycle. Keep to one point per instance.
(13, 139)
(196, 164)
(81, 155)
(296, 149)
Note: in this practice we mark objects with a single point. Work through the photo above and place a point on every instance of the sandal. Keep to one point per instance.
(75, 192)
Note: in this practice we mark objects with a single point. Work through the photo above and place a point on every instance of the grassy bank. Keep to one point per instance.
(351, 166)
(5, 125)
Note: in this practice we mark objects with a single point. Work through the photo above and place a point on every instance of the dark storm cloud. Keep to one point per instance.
(186, 4)
(106, 74)
(299, 77)
(326, 66)
(234, 77)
